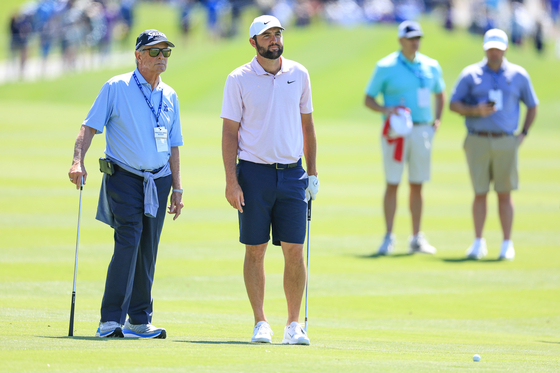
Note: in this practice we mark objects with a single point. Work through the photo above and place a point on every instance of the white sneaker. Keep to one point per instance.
(477, 250)
(109, 329)
(143, 331)
(262, 333)
(387, 245)
(295, 335)
(507, 252)
(419, 244)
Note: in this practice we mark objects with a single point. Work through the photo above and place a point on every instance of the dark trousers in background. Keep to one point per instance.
(131, 272)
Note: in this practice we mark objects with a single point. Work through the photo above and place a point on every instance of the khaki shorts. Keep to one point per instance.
(417, 152)
(492, 159)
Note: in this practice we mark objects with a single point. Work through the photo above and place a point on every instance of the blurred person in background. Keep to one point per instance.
(407, 79)
(487, 94)
(21, 27)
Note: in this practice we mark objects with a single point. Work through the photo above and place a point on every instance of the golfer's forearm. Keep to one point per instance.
(229, 152)
(371, 103)
(529, 118)
(309, 144)
(440, 102)
(464, 110)
(83, 142)
(175, 165)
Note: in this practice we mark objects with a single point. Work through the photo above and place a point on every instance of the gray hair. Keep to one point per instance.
(139, 50)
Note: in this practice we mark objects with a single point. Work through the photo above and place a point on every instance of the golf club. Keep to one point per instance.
(71, 327)
(307, 265)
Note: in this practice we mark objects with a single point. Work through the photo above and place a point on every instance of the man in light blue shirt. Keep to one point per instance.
(407, 79)
(141, 116)
(487, 94)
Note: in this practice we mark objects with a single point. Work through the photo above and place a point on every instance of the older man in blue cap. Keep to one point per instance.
(141, 116)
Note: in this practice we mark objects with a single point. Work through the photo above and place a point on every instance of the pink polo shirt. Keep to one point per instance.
(268, 108)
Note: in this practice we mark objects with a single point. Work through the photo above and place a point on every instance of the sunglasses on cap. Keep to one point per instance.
(154, 52)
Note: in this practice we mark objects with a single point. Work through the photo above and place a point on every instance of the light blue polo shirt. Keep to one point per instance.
(398, 80)
(123, 110)
(477, 80)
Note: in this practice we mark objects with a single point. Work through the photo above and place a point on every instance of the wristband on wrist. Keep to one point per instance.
(178, 190)
(524, 132)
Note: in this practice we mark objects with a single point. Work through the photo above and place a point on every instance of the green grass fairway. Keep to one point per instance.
(366, 313)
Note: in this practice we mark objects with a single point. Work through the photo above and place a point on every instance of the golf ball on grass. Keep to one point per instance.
(476, 357)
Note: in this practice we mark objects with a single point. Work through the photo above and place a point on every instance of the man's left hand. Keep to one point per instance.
(312, 188)
(176, 204)
(436, 124)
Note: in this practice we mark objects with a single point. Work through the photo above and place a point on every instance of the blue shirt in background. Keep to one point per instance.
(398, 80)
(121, 107)
(477, 80)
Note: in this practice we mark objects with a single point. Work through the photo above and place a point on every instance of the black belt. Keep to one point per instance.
(420, 123)
(278, 166)
(119, 168)
(489, 134)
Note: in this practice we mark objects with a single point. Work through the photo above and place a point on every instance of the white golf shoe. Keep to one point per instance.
(477, 250)
(295, 335)
(143, 331)
(262, 333)
(419, 244)
(109, 329)
(388, 245)
(507, 252)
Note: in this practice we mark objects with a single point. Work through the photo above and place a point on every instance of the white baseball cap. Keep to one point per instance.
(401, 122)
(263, 23)
(495, 38)
(410, 29)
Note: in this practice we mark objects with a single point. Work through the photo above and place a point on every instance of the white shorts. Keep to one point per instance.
(417, 151)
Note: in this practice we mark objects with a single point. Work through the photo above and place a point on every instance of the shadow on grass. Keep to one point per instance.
(551, 342)
(224, 343)
(463, 259)
(83, 338)
(375, 256)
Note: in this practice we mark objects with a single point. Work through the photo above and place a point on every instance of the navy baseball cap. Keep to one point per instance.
(152, 37)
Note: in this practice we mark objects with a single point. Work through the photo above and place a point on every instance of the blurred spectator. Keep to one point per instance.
(20, 30)
(185, 8)
(77, 26)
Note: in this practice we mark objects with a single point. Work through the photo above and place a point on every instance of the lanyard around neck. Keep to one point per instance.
(419, 74)
(495, 77)
(148, 101)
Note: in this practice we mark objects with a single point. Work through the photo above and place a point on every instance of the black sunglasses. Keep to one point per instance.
(154, 52)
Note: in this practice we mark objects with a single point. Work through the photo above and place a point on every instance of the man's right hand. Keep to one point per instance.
(389, 110)
(76, 173)
(485, 109)
(234, 195)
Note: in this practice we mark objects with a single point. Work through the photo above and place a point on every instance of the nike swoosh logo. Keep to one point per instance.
(291, 81)
(267, 22)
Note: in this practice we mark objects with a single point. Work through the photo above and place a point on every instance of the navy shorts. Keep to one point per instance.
(273, 197)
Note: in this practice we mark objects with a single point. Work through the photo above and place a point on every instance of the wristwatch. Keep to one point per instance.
(524, 132)
(178, 190)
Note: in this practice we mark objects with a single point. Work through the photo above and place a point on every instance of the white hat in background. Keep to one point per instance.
(263, 23)
(401, 122)
(410, 29)
(495, 38)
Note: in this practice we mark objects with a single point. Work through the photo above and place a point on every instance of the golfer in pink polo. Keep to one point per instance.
(267, 128)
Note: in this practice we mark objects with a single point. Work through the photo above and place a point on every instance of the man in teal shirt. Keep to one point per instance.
(407, 79)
